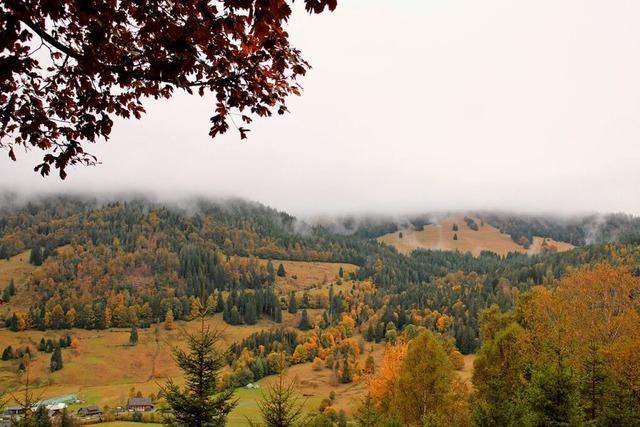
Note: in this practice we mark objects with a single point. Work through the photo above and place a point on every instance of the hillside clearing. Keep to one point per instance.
(440, 236)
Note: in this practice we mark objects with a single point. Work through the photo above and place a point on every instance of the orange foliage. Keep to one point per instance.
(382, 385)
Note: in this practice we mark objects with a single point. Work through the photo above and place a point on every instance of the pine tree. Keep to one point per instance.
(35, 257)
(281, 271)
(293, 304)
(271, 271)
(347, 372)
(281, 405)
(306, 300)
(219, 303)
(304, 324)
(133, 337)
(65, 419)
(6, 295)
(367, 414)
(251, 313)
(455, 236)
(12, 287)
(278, 315)
(198, 404)
(341, 272)
(325, 320)
(56, 360)
(371, 333)
(7, 354)
(41, 417)
(234, 316)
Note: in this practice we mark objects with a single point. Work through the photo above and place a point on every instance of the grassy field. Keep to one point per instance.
(440, 236)
(303, 275)
(18, 269)
(104, 367)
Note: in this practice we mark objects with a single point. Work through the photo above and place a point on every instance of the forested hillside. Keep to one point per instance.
(327, 294)
(135, 262)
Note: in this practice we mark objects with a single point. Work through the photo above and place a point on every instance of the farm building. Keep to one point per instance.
(139, 404)
(12, 411)
(90, 411)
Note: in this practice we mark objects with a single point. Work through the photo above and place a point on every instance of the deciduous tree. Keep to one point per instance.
(97, 61)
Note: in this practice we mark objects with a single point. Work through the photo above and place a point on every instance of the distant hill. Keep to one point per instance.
(471, 235)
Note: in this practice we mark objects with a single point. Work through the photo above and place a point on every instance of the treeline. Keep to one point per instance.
(578, 231)
(446, 291)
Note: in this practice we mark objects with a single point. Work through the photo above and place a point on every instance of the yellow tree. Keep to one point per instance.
(425, 385)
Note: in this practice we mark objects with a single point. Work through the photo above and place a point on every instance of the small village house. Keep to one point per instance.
(139, 404)
(90, 411)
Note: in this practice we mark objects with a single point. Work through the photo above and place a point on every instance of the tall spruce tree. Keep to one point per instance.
(281, 405)
(202, 402)
(281, 271)
(35, 258)
(304, 324)
(56, 360)
(293, 304)
(41, 417)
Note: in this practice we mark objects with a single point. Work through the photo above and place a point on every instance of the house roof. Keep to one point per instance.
(139, 401)
(92, 408)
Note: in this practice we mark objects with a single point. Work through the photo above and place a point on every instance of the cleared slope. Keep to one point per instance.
(440, 236)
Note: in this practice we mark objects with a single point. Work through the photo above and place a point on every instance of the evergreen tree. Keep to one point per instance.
(341, 272)
(281, 405)
(325, 320)
(455, 236)
(278, 315)
(6, 295)
(347, 372)
(271, 271)
(133, 337)
(7, 354)
(65, 419)
(41, 417)
(56, 360)
(251, 313)
(304, 324)
(13, 323)
(293, 304)
(219, 302)
(281, 271)
(370, 335)
(553, 397)
(367, 414)
(35, 257)
(234, 316)
(306, 300)
(198, 404)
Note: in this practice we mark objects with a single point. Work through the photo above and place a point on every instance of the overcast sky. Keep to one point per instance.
(411, 106)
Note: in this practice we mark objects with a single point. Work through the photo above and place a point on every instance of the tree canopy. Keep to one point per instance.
(68, 68)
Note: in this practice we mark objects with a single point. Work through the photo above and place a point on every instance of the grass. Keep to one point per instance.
(303, 275)
(440, 236)
(104, 368)
(17, 268)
